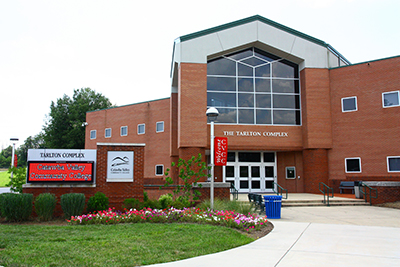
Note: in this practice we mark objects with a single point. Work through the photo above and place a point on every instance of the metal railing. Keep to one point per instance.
(326, 190)
(280, 190)
(363, 190)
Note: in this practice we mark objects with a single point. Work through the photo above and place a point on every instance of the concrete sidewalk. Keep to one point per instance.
(318, 236)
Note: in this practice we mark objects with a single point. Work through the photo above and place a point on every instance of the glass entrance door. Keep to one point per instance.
(251, 171)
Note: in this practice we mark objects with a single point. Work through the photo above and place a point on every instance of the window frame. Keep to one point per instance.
(286, 172)
(158, 165)
(95, 134)
(356, 105)
(398, 99)
(105, 133)
(359, 162)
(157, 123)
(387, 163)
(233, 113)
(126, 127)
(144, 128)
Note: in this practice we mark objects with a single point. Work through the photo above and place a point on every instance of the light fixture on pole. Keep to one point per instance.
(13, 140)
(212, 114)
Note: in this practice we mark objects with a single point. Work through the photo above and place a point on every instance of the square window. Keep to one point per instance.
(93, 134)
(393, 164)
(390, 99)
(349, 104)
(160, 127)
(107, 133)
(290, 172)
(353, 164)
(159, 170)
(124, 130)
(141, 129)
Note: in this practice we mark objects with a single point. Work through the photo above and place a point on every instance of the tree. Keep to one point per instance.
(190, 172)
(5, 157)
(31, 142)
(64, 128)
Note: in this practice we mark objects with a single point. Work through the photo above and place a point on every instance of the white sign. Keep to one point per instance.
(120, 166)
(62, 155)
(255, 133)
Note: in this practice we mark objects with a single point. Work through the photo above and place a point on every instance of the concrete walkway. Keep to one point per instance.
(318, 236)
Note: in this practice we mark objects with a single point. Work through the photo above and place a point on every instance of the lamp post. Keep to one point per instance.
(13, 140)
(212, 114)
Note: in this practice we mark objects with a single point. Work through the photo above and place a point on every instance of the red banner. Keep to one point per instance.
(60, 172)
(221, 151)
(15, 160)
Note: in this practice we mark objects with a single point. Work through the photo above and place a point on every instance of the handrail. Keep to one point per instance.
(280, 191)
(364, 192)
(325, 190)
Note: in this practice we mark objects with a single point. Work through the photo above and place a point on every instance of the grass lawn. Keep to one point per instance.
(111, 245)
(4, 178)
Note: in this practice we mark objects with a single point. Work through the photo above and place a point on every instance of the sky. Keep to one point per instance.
(123, 49)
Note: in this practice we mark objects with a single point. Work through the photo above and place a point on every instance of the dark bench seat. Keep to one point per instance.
(346, 185)
(257, 201)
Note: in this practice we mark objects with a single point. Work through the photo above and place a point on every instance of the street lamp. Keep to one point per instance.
(13, 140)
(212, 114)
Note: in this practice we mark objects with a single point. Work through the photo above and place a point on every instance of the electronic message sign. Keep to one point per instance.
(60, 172)
(61, 165)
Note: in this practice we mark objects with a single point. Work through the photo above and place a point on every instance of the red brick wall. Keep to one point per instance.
(385, 194)
(219, 193)
(315, 105)
(372, 132)
(288, 159)
(149, 113)
(192, 105)
(315, 169)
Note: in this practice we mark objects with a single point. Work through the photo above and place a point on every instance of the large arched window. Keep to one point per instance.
(254, 87)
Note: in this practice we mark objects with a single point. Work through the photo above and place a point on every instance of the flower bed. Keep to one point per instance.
(194, 215)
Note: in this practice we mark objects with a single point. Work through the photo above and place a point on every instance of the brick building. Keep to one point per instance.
(294, 110)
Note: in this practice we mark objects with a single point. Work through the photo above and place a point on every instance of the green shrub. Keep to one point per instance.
(145, 196)
(1, 205)
(72, 204)
(131, 203)
(98, 202)
(177, 204)
(165, 201)
(151, 203)
(45, 205)
(237, 206)
(16, 207)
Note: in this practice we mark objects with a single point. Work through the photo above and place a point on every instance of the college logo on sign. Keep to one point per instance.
(120, 161)
(120, 166)
(221, 151)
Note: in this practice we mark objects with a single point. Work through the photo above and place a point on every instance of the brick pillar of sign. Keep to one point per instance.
(117, 192)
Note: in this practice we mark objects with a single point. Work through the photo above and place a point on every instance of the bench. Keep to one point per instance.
(257, 201)
(346, 185)
(234, 191)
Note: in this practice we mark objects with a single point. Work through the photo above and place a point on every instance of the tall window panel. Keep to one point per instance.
(254, 87)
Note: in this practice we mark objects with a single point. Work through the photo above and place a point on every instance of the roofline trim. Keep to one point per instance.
(129, 104)
(365, 62)
(248, 20)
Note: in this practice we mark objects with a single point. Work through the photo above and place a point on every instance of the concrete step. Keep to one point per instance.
(332, 202)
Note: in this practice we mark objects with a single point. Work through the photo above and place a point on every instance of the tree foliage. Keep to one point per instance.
(190, 172)
(34, 142)
(64, 126)
(5, 157)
